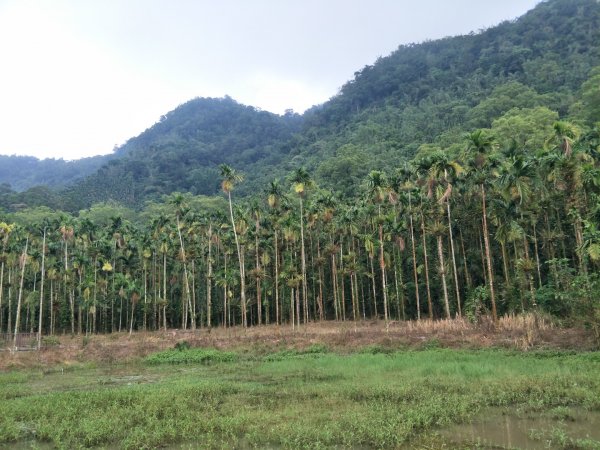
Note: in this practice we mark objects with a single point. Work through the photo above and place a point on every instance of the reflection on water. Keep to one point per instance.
(530, 431)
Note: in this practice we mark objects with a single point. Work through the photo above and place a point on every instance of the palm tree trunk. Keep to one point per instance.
(51, 307)
(258, 288)
(383, 280)
(9, 324)
(241, 264)
(1, 293)
(23, 262)
(371, 258)
(41, 315)
(454, 271)
(164, 291)
(321, 277)
(144, 324)
(187, 281)
(95, 295)
(414, 259)
(537, 256)
(443, 274)
(342, 296)
(209, 278)
(334, 285)
(488, 255)
(277, 309)
(303, 258)
(429, 304)
(464, 254)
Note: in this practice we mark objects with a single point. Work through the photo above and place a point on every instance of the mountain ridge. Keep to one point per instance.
(421, 94)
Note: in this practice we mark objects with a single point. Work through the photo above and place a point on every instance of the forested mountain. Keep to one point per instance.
(183, 150)
(434, 92)
(428, 93)
(23, 172)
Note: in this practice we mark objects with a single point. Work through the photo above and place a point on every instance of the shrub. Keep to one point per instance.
(191, 356)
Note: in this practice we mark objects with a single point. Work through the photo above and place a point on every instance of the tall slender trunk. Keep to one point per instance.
(67, 292)
(258, 288)
(1, 294)
(145, 320)
(225, 293)
(383, 280)
(335, 286)
(443, 274)
(23, 262)
(342, 295)
(488, 255)
(371, 258)
(414, 259)
(454, 271)
(209, 278)
(187, 281)
(41, 315)
(537, 256)
(94, 315)
(9, 324)
(303, 262)
(321, 278)
(429, 303)
(277, 310)
(464, 254)
(241, 264)
(51, 307)
(164, 291)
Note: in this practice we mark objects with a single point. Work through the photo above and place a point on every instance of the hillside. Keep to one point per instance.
(183, 150)
(428, 93)
(24, 172)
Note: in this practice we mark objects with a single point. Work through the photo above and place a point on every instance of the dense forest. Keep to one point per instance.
(458, 177)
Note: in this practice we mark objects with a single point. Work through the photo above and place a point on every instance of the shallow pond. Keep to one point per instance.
(557, 428)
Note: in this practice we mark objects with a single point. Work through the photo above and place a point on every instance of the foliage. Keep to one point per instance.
(184, 355)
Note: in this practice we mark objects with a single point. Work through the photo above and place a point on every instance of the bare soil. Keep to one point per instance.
(523, 333)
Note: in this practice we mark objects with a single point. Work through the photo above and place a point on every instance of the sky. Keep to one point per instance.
(79, 77)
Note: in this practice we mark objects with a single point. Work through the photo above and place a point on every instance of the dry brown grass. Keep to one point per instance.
(517, 332)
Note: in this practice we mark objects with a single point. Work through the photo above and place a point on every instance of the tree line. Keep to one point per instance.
(489, 230)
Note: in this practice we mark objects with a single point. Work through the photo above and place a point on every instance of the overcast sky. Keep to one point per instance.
(78, 77)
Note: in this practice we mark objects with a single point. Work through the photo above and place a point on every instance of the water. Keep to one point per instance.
(558, 428)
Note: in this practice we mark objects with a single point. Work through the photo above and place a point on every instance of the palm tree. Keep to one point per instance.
(274, 194)
(442, 169)
(5, 232)
(178, 200)
(230, 179)
(22, 263)
(302, 182)
(482, 144)
(378, 190)
(43, 271)
(67, 233)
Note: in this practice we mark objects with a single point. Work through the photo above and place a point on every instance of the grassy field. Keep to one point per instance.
(372, 397)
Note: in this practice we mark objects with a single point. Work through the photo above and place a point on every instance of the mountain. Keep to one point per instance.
(24, 172)
(429, 94)
(183, 151)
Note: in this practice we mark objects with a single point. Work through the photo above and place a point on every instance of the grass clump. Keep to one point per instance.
(313, 351)
(184, 355)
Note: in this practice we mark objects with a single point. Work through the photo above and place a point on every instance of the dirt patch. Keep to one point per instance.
(522, 333)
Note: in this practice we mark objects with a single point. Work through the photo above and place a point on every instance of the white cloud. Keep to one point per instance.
(276, 94)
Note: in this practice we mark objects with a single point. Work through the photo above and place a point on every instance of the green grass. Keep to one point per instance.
(191, 356)
(292, 399)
